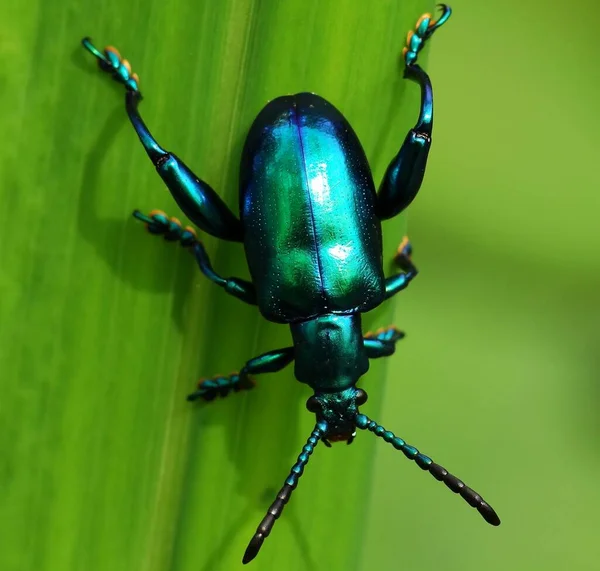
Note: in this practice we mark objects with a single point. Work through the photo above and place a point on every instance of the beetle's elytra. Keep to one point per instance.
(310, 222)
(305, 177)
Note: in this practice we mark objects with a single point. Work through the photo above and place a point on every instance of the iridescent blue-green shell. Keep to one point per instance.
(307, 205)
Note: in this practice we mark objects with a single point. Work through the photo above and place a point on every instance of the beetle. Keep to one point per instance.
(310, 222)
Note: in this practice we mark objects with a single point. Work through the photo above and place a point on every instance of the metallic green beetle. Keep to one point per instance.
(310, 222)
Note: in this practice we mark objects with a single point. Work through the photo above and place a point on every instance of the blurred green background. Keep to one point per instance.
(103, 330)
(500, 369)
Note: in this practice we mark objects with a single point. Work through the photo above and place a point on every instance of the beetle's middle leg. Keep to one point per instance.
(157, 222)
(271, 362)
(403, 260)
(200, 203)
(404, 175)
(382, 343)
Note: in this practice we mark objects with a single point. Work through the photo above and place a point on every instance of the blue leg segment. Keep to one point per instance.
(402, 259)
(271, 362)
(200, 203)
(157, 222)
(404, 175)
(382, 343)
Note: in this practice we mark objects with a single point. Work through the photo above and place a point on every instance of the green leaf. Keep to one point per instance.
(105, 329)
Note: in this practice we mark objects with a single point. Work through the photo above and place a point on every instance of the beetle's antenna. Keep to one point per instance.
(426, 463)
(284, 494)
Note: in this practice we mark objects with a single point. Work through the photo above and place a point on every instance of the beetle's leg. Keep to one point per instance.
(270, 362)
(112, 63)
(196, 198)
(402, 259)
(382, 343)
(157, 222)
(405, 173)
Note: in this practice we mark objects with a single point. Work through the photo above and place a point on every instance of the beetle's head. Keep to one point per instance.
(338, 410)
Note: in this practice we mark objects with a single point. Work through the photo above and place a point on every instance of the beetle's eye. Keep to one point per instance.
(361, 397)
(312, 404)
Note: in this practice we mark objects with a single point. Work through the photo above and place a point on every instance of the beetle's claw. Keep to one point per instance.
(112, 62)
(446, 13)
(424, 28)
(87, 44)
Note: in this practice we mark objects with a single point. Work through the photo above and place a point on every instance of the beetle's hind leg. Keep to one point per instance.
(403, 260)
(271, 362)
(382, 343)
(200, 203)
(404, 175)
(157, 222)
(111, 62)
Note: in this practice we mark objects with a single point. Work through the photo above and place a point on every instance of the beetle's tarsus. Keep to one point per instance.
(382, 343)
(157, 222)
(425, 20)
(220, 386)
(404, 249)
(390, 334)
(403, 260)
(424, 29)
(112, 62)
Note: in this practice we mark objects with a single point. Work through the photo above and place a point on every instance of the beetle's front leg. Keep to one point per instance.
(201, 204)
(157, 222)
(382, 343)
(403, 260)
(405, 173)
(271, 362)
